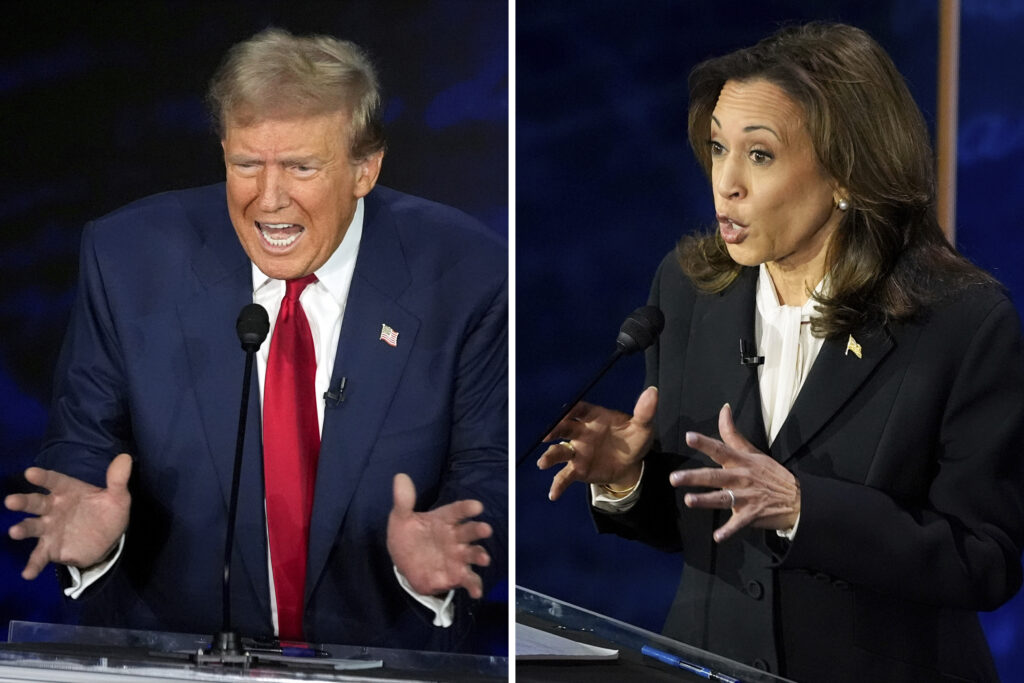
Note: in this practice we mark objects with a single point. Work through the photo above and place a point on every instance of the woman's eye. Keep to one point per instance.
(759, 156)
(716, 148)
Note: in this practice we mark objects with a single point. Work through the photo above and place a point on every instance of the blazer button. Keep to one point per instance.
(841, 585)
(822, 576)
(755, 589)
(760, 664)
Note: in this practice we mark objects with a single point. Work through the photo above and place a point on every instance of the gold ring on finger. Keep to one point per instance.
(572, 449)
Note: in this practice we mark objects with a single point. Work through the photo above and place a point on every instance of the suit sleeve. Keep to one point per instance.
(961, 545)
(478, 446)
(89, 421)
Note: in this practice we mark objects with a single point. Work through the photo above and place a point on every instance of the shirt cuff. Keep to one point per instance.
(789, 534)
(443, 609)
(605, 502)
(81, 579)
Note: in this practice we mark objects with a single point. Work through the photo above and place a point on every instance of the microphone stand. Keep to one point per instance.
(637, 332)
(227, 642)
(618, 353)
(252, 327)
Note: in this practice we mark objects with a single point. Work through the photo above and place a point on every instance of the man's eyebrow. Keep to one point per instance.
(750, 129)
(299, 160)
(239, 157)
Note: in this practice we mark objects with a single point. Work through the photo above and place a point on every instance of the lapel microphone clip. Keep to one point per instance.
(748, 357)
(336, 396)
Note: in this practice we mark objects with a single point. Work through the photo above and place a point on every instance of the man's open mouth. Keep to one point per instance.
(280, 234)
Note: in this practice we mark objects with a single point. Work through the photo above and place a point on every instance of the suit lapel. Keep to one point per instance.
(714, 374)
(372, 370)
(833, 379)
(224, 285)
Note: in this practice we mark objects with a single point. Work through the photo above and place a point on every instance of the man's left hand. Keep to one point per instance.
(435, 550)
(760, 491)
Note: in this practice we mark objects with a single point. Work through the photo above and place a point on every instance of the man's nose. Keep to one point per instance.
(273, 190)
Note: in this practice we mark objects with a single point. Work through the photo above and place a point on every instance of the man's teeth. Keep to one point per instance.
(268, 228)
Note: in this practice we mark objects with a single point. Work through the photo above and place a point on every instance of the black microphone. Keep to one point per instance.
(335, 396)
(252, 327)
(749, 358)
(638, 331)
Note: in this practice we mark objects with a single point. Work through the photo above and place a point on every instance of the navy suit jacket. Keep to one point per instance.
(151, 365)
(912, 489)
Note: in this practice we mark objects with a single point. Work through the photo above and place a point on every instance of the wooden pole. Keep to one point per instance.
(946, 124)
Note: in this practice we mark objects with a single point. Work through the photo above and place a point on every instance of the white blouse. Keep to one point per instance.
(789, 349)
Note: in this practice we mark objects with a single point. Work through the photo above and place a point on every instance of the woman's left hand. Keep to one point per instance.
(764, 494)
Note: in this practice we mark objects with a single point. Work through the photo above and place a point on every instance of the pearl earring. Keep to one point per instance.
(843, 205)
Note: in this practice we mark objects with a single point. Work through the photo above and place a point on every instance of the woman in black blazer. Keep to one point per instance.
(848, 490)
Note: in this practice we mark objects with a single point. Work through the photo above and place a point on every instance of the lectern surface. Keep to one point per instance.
(571, 621)
(53, 652)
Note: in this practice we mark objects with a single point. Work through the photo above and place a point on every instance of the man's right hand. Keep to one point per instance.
(605, 446)
(77, 524)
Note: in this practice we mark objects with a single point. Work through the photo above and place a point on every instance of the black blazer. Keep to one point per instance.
(912, 485)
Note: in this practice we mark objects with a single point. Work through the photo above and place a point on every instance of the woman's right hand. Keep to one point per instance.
(601, 446)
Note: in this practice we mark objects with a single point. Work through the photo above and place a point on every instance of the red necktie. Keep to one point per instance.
(291, 445)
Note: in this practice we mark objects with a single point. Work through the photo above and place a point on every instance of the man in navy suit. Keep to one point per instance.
(408, 320)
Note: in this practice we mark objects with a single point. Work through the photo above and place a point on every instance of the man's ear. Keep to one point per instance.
(367, 172)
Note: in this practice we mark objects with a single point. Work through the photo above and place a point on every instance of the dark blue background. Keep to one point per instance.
(606, 184)
(102, 104)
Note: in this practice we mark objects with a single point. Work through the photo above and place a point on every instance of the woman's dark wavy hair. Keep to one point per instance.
(889, 259)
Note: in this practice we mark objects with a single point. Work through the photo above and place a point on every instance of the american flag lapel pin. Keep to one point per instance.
(852, 345)
(388, 335)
